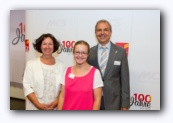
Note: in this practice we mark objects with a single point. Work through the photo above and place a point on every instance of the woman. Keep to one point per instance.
(43, 75)
(82, 86)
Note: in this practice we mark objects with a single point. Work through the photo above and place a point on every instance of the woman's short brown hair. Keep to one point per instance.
(38, 42)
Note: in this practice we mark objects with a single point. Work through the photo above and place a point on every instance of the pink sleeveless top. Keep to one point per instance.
(79, 93)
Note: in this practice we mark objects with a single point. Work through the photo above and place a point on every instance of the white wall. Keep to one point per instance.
(17, 52)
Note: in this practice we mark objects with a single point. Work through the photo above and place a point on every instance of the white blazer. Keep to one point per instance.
(33, 80)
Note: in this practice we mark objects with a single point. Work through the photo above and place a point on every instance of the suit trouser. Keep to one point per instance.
(102, 107)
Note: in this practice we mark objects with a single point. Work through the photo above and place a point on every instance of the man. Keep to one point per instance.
(112, 62)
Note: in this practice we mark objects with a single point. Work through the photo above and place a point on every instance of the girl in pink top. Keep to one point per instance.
(82, 86)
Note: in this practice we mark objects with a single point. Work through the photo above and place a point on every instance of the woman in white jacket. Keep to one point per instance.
(43, 75)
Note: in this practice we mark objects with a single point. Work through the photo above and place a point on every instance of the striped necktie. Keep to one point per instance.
(103, 60)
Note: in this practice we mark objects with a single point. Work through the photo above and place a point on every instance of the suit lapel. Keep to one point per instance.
(112, 57)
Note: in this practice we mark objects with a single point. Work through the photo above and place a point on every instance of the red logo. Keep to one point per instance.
(26, 45)
(141, 100)
(124, 45)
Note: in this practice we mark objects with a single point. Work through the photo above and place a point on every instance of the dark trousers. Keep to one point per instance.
(102, 107)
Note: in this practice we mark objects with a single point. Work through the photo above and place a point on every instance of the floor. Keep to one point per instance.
(17, 104)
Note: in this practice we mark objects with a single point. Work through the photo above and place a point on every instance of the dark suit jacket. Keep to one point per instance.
(116, 89)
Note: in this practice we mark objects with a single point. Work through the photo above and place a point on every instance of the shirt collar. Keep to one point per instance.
(108, 45)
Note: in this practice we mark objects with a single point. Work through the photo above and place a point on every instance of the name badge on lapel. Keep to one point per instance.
(71, 76)
(117, 62)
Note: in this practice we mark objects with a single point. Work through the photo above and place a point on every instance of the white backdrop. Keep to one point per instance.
(139, 28)
(17, 45)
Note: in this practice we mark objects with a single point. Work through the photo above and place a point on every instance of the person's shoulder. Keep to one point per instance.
(119, 48)
(58, 61)
(69, 67)
(94, 68)
(33, 60)
(96, 71)
(93, 48)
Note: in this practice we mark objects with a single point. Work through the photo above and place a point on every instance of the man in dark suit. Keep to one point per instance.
(115, 73)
